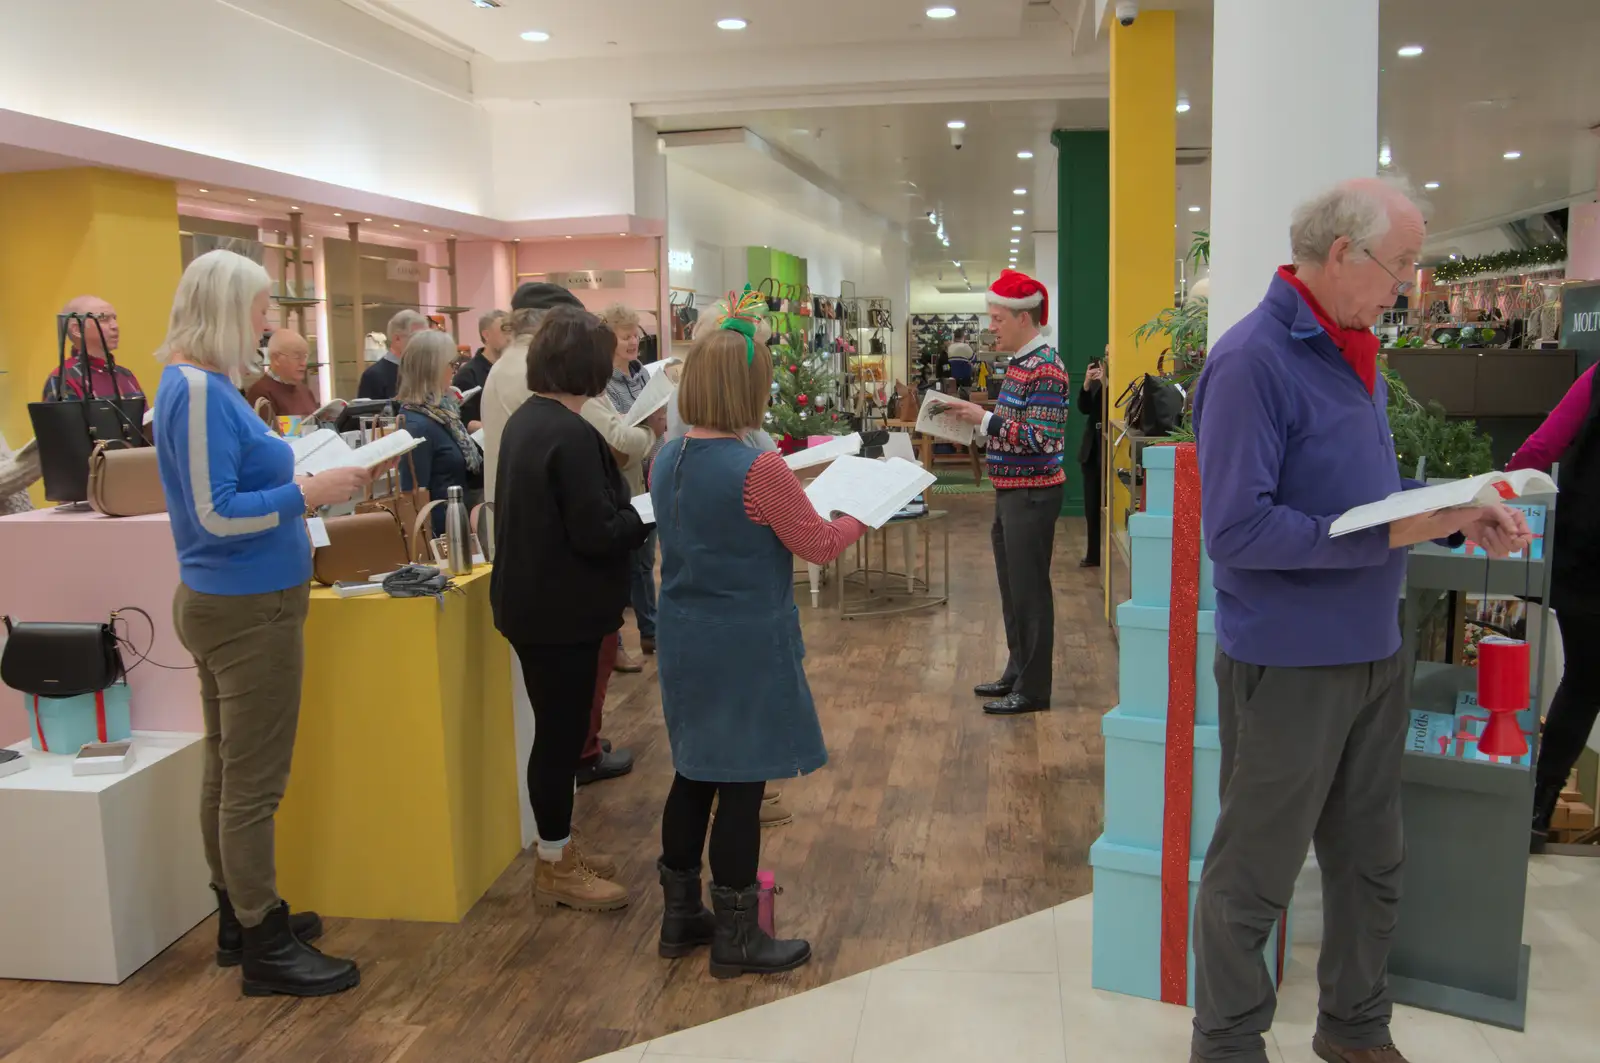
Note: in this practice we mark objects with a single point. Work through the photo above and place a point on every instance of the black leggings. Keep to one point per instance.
(735, 838)
(560, 682)
(1577, 700)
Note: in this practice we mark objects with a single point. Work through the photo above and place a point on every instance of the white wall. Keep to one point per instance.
(209, 77)
(566, 160)
(704, 215)
(926, 299)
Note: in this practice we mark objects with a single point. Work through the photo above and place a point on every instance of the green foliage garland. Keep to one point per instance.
(1544, 255)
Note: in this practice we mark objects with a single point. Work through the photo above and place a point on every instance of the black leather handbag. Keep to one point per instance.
(1154, 404)
(68, 428)
(60, 660)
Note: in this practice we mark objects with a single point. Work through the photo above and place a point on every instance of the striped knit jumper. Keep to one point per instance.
(1027, 429)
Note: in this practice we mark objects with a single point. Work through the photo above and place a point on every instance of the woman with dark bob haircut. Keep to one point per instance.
(564, 531)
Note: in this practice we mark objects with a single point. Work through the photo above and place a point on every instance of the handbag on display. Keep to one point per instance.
(268, 414)
(68, 428)
(360, 546)
(125, 481)
(1154, 403)
(769, 288)
(73, 683)
(907, 408)
(402, 504)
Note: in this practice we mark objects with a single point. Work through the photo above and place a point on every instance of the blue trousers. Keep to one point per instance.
(642, 587)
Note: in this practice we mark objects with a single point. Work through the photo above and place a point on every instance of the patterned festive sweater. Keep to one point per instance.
(1026, 429)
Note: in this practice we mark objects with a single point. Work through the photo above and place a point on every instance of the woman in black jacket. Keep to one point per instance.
(1089, 457)
(564, 534)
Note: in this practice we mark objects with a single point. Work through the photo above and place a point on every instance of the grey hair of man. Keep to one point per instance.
(488, 320)
(1360, 210)
(403, 324)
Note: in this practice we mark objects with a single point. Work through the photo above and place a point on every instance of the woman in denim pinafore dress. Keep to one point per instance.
(733, 687)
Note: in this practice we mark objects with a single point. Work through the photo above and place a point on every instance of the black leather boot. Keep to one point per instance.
(275, 961)
(741, 946)
(685, 923)
(1545, 796)
(307, 926)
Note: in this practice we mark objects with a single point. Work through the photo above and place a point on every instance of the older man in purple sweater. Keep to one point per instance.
(1292, 430)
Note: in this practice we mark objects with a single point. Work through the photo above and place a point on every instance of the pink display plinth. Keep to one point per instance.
(75, 565)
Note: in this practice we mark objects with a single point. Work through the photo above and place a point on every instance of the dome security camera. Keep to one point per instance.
(1127, 11)
(956, 140)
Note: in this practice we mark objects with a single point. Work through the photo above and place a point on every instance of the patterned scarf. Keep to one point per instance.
(447, 412)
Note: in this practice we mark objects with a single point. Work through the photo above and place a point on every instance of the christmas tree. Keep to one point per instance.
(805, 397)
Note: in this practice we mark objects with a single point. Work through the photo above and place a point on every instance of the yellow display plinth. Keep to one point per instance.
(403, 800)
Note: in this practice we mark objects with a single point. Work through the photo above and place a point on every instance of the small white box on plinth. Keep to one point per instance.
(102, 872)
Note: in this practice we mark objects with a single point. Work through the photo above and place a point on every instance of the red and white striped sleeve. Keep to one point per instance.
(773, 497)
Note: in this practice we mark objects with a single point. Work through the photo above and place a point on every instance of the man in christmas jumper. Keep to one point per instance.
(1290, 418)
(1026, 441)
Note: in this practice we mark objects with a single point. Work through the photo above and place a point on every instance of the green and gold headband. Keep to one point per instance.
(743, 316)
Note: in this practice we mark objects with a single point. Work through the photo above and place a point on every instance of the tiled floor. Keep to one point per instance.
(1020, 993)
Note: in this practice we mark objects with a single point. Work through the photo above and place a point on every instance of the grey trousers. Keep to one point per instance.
(1308, 755)
(1024, 537)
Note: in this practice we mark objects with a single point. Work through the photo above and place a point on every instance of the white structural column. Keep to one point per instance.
(1046, 270)
(1294, 110)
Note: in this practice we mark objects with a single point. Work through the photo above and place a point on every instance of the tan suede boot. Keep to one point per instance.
(773, 813)
(601, 864)
(573, 884)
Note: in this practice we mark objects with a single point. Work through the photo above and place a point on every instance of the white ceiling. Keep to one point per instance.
(600, 29)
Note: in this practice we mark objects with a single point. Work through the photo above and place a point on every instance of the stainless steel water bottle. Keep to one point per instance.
(457, 534)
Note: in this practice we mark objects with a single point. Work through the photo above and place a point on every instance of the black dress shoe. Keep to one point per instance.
(992, 690)
(609, 765)
(1015, 705)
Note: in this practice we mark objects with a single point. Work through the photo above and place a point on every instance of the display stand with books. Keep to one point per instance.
(1458, 946)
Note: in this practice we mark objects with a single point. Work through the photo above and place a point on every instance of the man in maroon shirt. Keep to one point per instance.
(70, 383)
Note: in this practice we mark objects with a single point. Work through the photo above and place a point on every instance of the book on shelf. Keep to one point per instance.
(1473, 491)
(324, 449)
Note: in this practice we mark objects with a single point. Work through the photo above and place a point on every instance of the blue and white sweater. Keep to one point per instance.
(236, 511)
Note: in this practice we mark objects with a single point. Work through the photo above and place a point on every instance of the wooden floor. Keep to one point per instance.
(932, 822)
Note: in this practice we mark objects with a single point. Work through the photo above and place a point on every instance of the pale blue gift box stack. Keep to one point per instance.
(1127, 857)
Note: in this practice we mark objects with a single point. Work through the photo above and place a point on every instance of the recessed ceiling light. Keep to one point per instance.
(397, 225)
(1194, 210)
(1431, 185)
(1016, 228)
(204, 190)
(1183, 106)
(1019, 191)
(622, 234)
(366, 219)
(731, 23)
(294, 208)
(1019, 210)
(1409, 51)
(1512, 155)
(249, 199)
(1024, 154)
(425, 230)
(536, 36)
(485, 3)
(336, 214)
(1016, 240)
(955, 123)
(941, 12)
(569, 238)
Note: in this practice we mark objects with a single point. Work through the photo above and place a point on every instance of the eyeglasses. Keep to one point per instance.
(1400, 287)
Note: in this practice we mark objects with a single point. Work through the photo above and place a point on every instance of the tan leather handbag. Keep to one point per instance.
(360, 546)
(403, 504)
(422, 532)
(125, 481)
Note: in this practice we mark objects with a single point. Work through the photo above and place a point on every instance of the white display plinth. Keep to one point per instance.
(102, 872)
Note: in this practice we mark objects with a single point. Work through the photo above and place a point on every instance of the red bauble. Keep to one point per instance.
(794, 369)
(800, 399)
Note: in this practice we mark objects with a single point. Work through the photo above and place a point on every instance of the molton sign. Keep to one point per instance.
(1580, 317)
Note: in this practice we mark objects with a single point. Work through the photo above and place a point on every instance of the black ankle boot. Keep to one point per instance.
(1545, 796)
(275, 961)
(741, 946)
(307, 926)
(685, 923)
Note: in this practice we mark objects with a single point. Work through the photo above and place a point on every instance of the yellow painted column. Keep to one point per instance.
(66, 233)
(1143, 200)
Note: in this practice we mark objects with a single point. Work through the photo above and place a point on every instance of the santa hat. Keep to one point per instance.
(1018, 291)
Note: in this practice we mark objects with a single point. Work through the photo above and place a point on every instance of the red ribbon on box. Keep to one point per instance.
(99, 720)
(1177, 809)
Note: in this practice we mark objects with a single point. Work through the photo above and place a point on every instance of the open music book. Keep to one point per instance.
(477, 437)
(870, 491)
(838, 447)
(467, 394)
(936, 420)
(652, 398)
(1473, 491)
(329, 412)
(645, 506)
(324, 449)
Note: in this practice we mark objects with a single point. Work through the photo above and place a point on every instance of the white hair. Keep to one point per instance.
(211, 313)
(1360, 212)
(405, 323)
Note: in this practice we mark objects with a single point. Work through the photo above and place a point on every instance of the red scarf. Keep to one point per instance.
(1358, 345)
